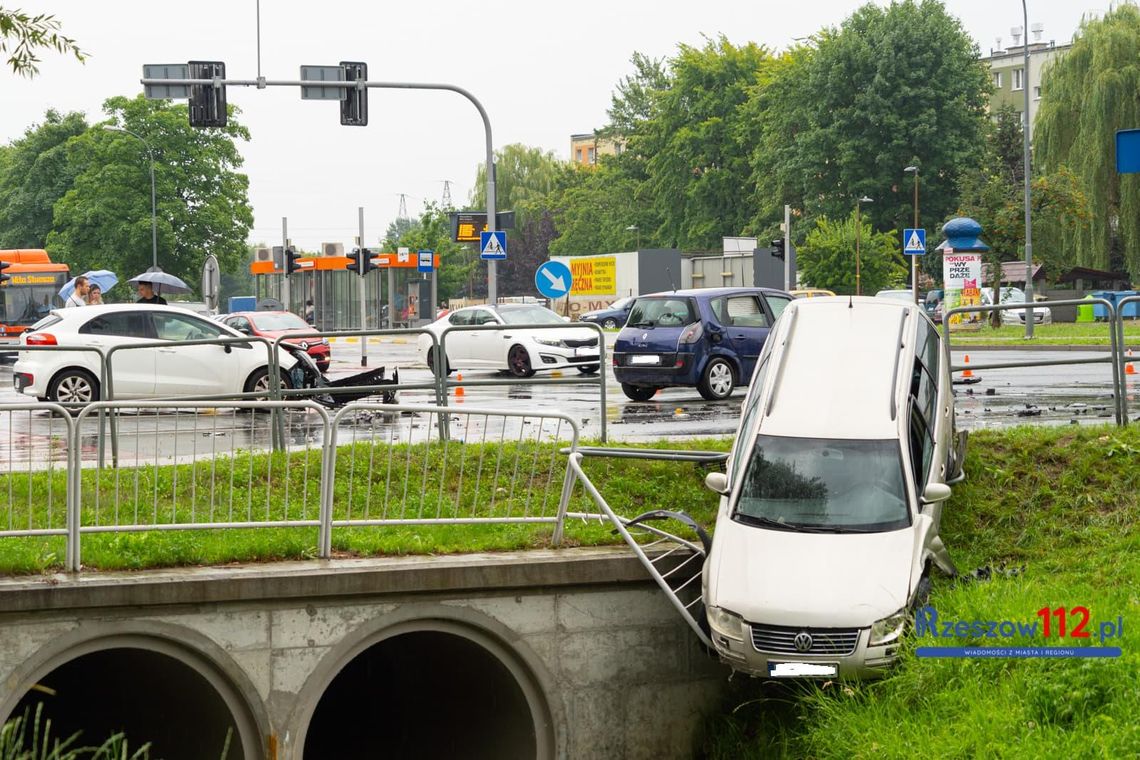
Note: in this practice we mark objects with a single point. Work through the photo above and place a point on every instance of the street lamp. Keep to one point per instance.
(153, 208)
(633, 228)
(1025, 145)
(858, 238)
(914, 259)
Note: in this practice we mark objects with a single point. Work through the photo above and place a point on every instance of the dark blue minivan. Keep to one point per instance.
(706, 337)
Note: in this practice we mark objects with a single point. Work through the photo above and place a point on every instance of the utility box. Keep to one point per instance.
(242, 303)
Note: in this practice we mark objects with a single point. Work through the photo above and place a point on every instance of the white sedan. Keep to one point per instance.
(158, 372)
(515, 348)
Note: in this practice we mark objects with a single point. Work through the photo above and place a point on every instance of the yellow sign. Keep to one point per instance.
(593, 276)
(31, 279)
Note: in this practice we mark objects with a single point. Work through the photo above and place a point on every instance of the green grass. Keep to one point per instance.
(368, 485)
(1059, 334)
(1062, 503)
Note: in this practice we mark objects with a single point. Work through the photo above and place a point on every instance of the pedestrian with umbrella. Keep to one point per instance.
(153, 281)
(103, 279)
(78, 295)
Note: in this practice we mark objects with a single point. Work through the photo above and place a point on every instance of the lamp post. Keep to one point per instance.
(858, 240)
(633, 228)
(914, 259)
(153, 207)
(1025, 145)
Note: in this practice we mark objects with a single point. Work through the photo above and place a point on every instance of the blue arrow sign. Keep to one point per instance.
(553, 279)
(493, 245)
(914, 242)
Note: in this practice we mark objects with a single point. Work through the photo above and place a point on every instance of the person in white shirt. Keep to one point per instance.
(78, 296)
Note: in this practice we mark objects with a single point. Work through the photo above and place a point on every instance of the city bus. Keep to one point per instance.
(30, 291)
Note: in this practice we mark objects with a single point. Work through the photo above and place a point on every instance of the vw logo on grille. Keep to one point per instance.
(803, 641)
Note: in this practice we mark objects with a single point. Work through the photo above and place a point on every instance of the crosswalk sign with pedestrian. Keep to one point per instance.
(914, 242)
(493, 245)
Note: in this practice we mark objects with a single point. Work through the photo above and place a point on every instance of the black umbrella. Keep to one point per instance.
(161, 281)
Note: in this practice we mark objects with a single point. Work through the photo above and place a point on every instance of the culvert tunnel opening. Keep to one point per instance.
(147, 696)
(424, 694)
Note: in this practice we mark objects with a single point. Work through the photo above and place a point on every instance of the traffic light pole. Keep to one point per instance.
(261, 83)
(285, 264)
(364, 255)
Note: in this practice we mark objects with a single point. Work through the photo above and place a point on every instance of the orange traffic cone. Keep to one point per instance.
(967, 372)
(1128, 368)
(459, 389)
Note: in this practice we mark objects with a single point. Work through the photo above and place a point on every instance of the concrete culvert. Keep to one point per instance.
(425, 694)
(148, 696)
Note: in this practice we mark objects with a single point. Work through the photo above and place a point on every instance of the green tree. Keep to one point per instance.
(634, 101)
(396, 231)
(842, 118)
(34, 175)
(1086, 96)
(522, 174)
(432, 231)
(104, 220)
(597, 206)
(23, 35)
(696, 162)
(826, 258)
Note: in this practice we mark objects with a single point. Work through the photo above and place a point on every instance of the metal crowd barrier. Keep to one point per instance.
(1115, 357)
(204, 467)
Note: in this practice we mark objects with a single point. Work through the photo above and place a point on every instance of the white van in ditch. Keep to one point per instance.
(829, 518)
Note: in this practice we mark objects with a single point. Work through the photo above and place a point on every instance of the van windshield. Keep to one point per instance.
(827, 485)
(662, 312)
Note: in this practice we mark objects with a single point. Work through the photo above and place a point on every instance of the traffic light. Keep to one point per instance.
(4, 277)
(354, 100)
(207, 101)
(778, 248)
(291, 261)
(360, 261)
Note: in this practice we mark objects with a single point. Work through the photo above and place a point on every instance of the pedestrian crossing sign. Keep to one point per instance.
(914, 242)
(493, 245)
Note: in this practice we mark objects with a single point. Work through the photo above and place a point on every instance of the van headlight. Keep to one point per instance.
(726, 623)
(548, 341)
(888, 629)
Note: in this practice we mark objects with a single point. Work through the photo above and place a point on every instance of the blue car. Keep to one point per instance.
(614, 316)
(709, 338)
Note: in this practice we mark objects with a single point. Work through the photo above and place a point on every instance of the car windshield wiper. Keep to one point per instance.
(642, 324)
(768, 522)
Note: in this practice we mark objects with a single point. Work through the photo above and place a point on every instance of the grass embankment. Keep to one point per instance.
(1062, 503)
(1059, 334)
(371, 482)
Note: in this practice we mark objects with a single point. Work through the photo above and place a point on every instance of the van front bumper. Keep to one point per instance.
(862, 663)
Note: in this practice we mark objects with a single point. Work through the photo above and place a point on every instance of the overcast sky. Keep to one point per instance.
(543, 71)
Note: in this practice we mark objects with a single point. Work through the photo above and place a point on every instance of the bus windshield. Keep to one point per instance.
(27, 304)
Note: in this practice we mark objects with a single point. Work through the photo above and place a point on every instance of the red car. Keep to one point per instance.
(275, 324)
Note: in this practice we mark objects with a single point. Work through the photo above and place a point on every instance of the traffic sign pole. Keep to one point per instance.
(364, 254)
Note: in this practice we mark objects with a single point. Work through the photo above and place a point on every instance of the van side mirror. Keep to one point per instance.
(936, 492)
(718, 482)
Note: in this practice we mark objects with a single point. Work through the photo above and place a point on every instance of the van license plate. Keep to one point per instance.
(802, 669)
(645, 359)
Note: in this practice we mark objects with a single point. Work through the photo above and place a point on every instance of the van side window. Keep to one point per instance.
(921, 448)
(740, 311)
(928, 347)
(742, 445)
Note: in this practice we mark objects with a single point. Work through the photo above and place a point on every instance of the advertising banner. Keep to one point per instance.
(962, 278)
(594, 276)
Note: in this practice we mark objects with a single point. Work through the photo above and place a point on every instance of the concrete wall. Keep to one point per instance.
(606, 665)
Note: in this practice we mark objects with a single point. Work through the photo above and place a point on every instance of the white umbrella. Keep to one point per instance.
(161, 281)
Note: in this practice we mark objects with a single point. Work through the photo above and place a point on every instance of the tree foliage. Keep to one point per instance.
(891, 87)
(696, 162)
(35, 173)
(1088, 95)
(633, 102)
(104, 220)
(22, 36)
(826, 258)
(596, 207)
(522, 174)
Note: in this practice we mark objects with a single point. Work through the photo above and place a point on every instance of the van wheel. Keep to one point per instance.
(73, 386)
(638, 392)
(717, 381)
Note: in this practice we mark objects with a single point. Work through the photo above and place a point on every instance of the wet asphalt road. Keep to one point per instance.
(1000, 398)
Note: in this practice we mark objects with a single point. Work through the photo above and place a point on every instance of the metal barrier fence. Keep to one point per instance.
(1115, 357)
(194, 465)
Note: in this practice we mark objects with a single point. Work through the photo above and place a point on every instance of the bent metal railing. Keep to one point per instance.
(196, 465)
